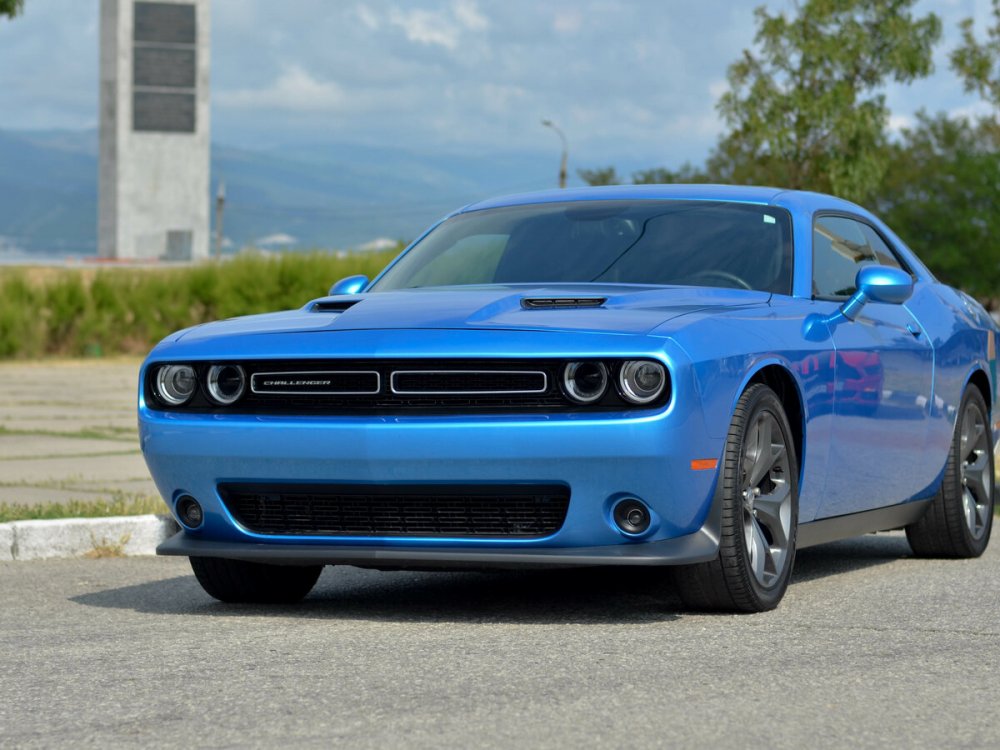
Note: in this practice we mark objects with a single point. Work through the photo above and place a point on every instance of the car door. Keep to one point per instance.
(882, 379)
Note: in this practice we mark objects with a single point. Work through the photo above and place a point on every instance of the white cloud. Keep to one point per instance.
(898, 123)
(972, 111)
(567, 21)
(501, 99)
(717, 88)
(442, 27)
(294, 90)
(467, 13)
(426, 27)
(367, 16)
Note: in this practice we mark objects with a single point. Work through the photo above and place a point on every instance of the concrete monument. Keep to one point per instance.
(154, 130)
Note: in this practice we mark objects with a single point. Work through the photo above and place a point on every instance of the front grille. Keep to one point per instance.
(390, 387)
(467, 382)
(395, 511)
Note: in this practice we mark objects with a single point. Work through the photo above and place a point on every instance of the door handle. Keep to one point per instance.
(914, 329)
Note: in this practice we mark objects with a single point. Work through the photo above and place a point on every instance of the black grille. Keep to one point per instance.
(430, 511)
(389, 387)
(458, 382)
(338, 305)
(544, 303)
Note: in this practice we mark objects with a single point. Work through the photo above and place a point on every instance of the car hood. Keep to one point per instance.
(626, 309)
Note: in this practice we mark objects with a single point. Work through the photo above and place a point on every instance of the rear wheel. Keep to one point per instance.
(759, 496)
(238, 581)
(959, 520)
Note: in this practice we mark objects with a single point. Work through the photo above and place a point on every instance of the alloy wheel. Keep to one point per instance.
(977, 484)
(767, 499)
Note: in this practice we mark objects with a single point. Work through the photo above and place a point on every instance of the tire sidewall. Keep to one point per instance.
(756, 400)
(953, 490)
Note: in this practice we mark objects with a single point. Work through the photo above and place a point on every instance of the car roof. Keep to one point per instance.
(793, 199)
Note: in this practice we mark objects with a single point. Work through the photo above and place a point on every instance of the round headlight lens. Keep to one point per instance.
(585, 382)
(642, 381)
(226, 383)
(175, 384)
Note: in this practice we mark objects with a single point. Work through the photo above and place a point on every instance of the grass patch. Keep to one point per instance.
(119, 504)
(121, 434)
(113, 311)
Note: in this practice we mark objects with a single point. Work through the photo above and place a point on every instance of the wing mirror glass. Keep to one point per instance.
(878, 284)
(350, 285)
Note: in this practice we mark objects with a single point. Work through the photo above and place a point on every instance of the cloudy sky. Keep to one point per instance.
(629, 81)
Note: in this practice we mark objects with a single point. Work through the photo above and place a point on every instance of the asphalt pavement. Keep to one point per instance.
(871, 648)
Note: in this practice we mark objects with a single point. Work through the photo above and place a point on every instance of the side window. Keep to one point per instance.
(885, 256)
(840, 247)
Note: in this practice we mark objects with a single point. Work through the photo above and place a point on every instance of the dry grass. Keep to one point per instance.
(103, 548)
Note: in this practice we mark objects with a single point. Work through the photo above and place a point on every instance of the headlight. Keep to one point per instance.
(642, 381)
(226, 383)
(585, 382)
(175, 384)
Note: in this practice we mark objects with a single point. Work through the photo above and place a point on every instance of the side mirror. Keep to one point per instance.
(878, 284)
(350, 285)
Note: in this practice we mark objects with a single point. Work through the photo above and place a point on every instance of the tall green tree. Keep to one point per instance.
(806, 109)
(655, 176)
(11, 7)
(978, 63)
(941, 197)
(599, 176)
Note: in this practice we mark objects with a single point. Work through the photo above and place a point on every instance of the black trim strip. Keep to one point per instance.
(854, 524)
(697, 547)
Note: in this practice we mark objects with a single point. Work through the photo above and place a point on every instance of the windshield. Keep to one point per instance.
(690, 243)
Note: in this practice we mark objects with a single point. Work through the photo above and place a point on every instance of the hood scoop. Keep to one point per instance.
(334, 305)
(561, 303)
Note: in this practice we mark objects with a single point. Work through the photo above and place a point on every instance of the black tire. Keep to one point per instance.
(238, 581)
(729, 582)
(960, 518)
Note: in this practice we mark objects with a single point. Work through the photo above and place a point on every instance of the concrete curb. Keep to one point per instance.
(74, 537)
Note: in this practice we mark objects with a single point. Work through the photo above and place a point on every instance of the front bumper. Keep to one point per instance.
(700, 546)
(599, 457)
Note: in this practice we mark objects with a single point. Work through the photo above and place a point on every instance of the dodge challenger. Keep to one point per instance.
(701, 379)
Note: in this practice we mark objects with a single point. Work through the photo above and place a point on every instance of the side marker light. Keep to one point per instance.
(704, 464)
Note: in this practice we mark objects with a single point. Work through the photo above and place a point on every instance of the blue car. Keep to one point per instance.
(703, 379)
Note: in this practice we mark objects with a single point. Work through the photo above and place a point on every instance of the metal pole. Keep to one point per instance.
(565, 151)
(220, 205)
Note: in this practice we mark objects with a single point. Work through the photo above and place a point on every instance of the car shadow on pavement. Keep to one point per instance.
(595, 595)
(520, 597)
(850, 554)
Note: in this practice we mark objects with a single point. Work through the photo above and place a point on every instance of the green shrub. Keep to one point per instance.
(74, 312)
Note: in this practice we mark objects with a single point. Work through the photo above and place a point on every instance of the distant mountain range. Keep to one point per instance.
(294, 195)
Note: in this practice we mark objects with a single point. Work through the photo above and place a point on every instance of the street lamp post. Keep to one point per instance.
(565, 151)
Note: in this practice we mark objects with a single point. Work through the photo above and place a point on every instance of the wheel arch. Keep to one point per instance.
(979, 379)
(780, 380)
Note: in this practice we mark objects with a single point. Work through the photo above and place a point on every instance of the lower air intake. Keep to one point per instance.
(427, 511)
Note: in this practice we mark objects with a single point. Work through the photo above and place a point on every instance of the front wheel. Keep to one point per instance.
(960, 517)
(239, 581)
(759, 497)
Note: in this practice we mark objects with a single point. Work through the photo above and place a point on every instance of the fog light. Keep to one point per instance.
(190, 512)
(631, 516)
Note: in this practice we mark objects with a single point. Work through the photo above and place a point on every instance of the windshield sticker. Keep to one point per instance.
(769, 219)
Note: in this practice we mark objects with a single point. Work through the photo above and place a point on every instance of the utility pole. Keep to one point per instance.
(220, 205)
(565, 151)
